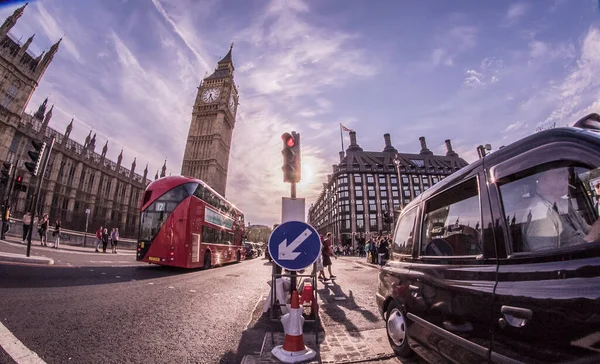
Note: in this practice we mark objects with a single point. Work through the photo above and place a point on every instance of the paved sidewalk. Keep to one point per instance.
(335, 346)
(89, 249)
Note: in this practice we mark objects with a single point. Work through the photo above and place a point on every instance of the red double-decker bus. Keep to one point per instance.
(185, 223)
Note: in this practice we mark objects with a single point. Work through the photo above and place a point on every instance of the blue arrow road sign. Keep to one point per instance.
(294, 245)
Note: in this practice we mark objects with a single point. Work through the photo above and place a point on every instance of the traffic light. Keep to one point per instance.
(19, 186)
(292, 167)
(36, 156)
(6, 172)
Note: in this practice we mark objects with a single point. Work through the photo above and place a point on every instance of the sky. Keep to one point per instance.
(475, 72)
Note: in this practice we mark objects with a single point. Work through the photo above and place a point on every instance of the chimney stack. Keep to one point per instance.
(424, 149)
(341, 156)
(449, 151)
(353, 139)
(353, 144)
(388, 140)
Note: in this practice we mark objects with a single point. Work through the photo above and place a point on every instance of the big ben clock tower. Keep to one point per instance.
(206, 155)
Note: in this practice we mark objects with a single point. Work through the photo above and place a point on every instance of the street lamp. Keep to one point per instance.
(400, 190)
(87, 215)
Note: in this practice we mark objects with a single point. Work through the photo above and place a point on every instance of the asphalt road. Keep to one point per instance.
(133, 314)
(90, 309)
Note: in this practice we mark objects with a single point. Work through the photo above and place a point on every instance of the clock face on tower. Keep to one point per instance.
(232, 103)
(210, 95)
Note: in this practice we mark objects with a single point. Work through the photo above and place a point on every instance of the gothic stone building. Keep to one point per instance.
(366, 185)
(206, 155)
(77, 178)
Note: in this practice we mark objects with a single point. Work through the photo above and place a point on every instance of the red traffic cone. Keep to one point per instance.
(293, 349)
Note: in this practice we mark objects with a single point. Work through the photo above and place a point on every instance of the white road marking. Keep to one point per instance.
(193, 290)
(91, 270)
(171, 287)
(19, 352)
(118, 276)
(151, 283)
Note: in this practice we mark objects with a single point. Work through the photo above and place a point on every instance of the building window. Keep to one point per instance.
(360, 221)
(359, 206)
(417, 191)
(406, 193)
(415, 180)
(418, 162)
(425, 180)
(396, 203)
(382, 187)
(357, 178)
(358, 192)
(370, 179)
(405, 180)
(395, 194)
(11, 93)
(372, 205)
(373, 221)
(382, 180)
(383, 194)
(434, 179)
(394, 180)
(343, 180)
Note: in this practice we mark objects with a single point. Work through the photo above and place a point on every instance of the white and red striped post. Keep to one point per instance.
(293, 349)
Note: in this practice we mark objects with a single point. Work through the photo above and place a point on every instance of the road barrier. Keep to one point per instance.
(68, 237)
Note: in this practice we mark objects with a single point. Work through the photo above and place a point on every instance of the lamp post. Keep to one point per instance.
(87, 215)
(400, 190)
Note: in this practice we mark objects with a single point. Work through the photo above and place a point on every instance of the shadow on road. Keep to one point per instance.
(334, 310)
(21, 276)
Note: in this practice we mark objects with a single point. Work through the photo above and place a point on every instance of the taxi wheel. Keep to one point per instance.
(397, 330)
(207, 260)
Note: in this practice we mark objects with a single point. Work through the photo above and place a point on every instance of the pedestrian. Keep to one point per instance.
(367, 247)
(56, 233)
(98, 239)
(115, 239)
(43, 230)
(382, 251)
(327, 252)
(105, 238)
(26, 226)
(374, 251)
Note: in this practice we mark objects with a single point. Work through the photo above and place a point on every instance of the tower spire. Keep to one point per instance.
(41, 111)
(11, 20)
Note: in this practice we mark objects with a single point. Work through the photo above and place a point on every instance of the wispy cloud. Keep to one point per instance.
(453, 42)
(515, 12)
(487, 73)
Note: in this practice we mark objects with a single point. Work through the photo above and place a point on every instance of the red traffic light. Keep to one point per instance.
(288, 139)
(19, 179)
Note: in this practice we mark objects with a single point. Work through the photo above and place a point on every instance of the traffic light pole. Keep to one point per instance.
(36, 196)
(7, 199)
(293, 279)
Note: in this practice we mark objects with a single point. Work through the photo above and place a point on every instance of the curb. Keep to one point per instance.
(9, 257)
(374, 266)
(250, 359)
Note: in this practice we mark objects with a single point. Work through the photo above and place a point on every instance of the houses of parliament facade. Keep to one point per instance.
(77, 178)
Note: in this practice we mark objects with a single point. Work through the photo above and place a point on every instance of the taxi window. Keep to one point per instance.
(452, 222)
(551, 207)
(403, 240)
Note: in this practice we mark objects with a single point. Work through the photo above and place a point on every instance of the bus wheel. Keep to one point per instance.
(207, 260)
(239, 256)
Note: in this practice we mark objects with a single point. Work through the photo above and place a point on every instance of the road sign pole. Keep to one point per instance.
(293, 279)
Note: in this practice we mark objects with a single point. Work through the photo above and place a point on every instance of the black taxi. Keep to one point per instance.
(500, 262)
